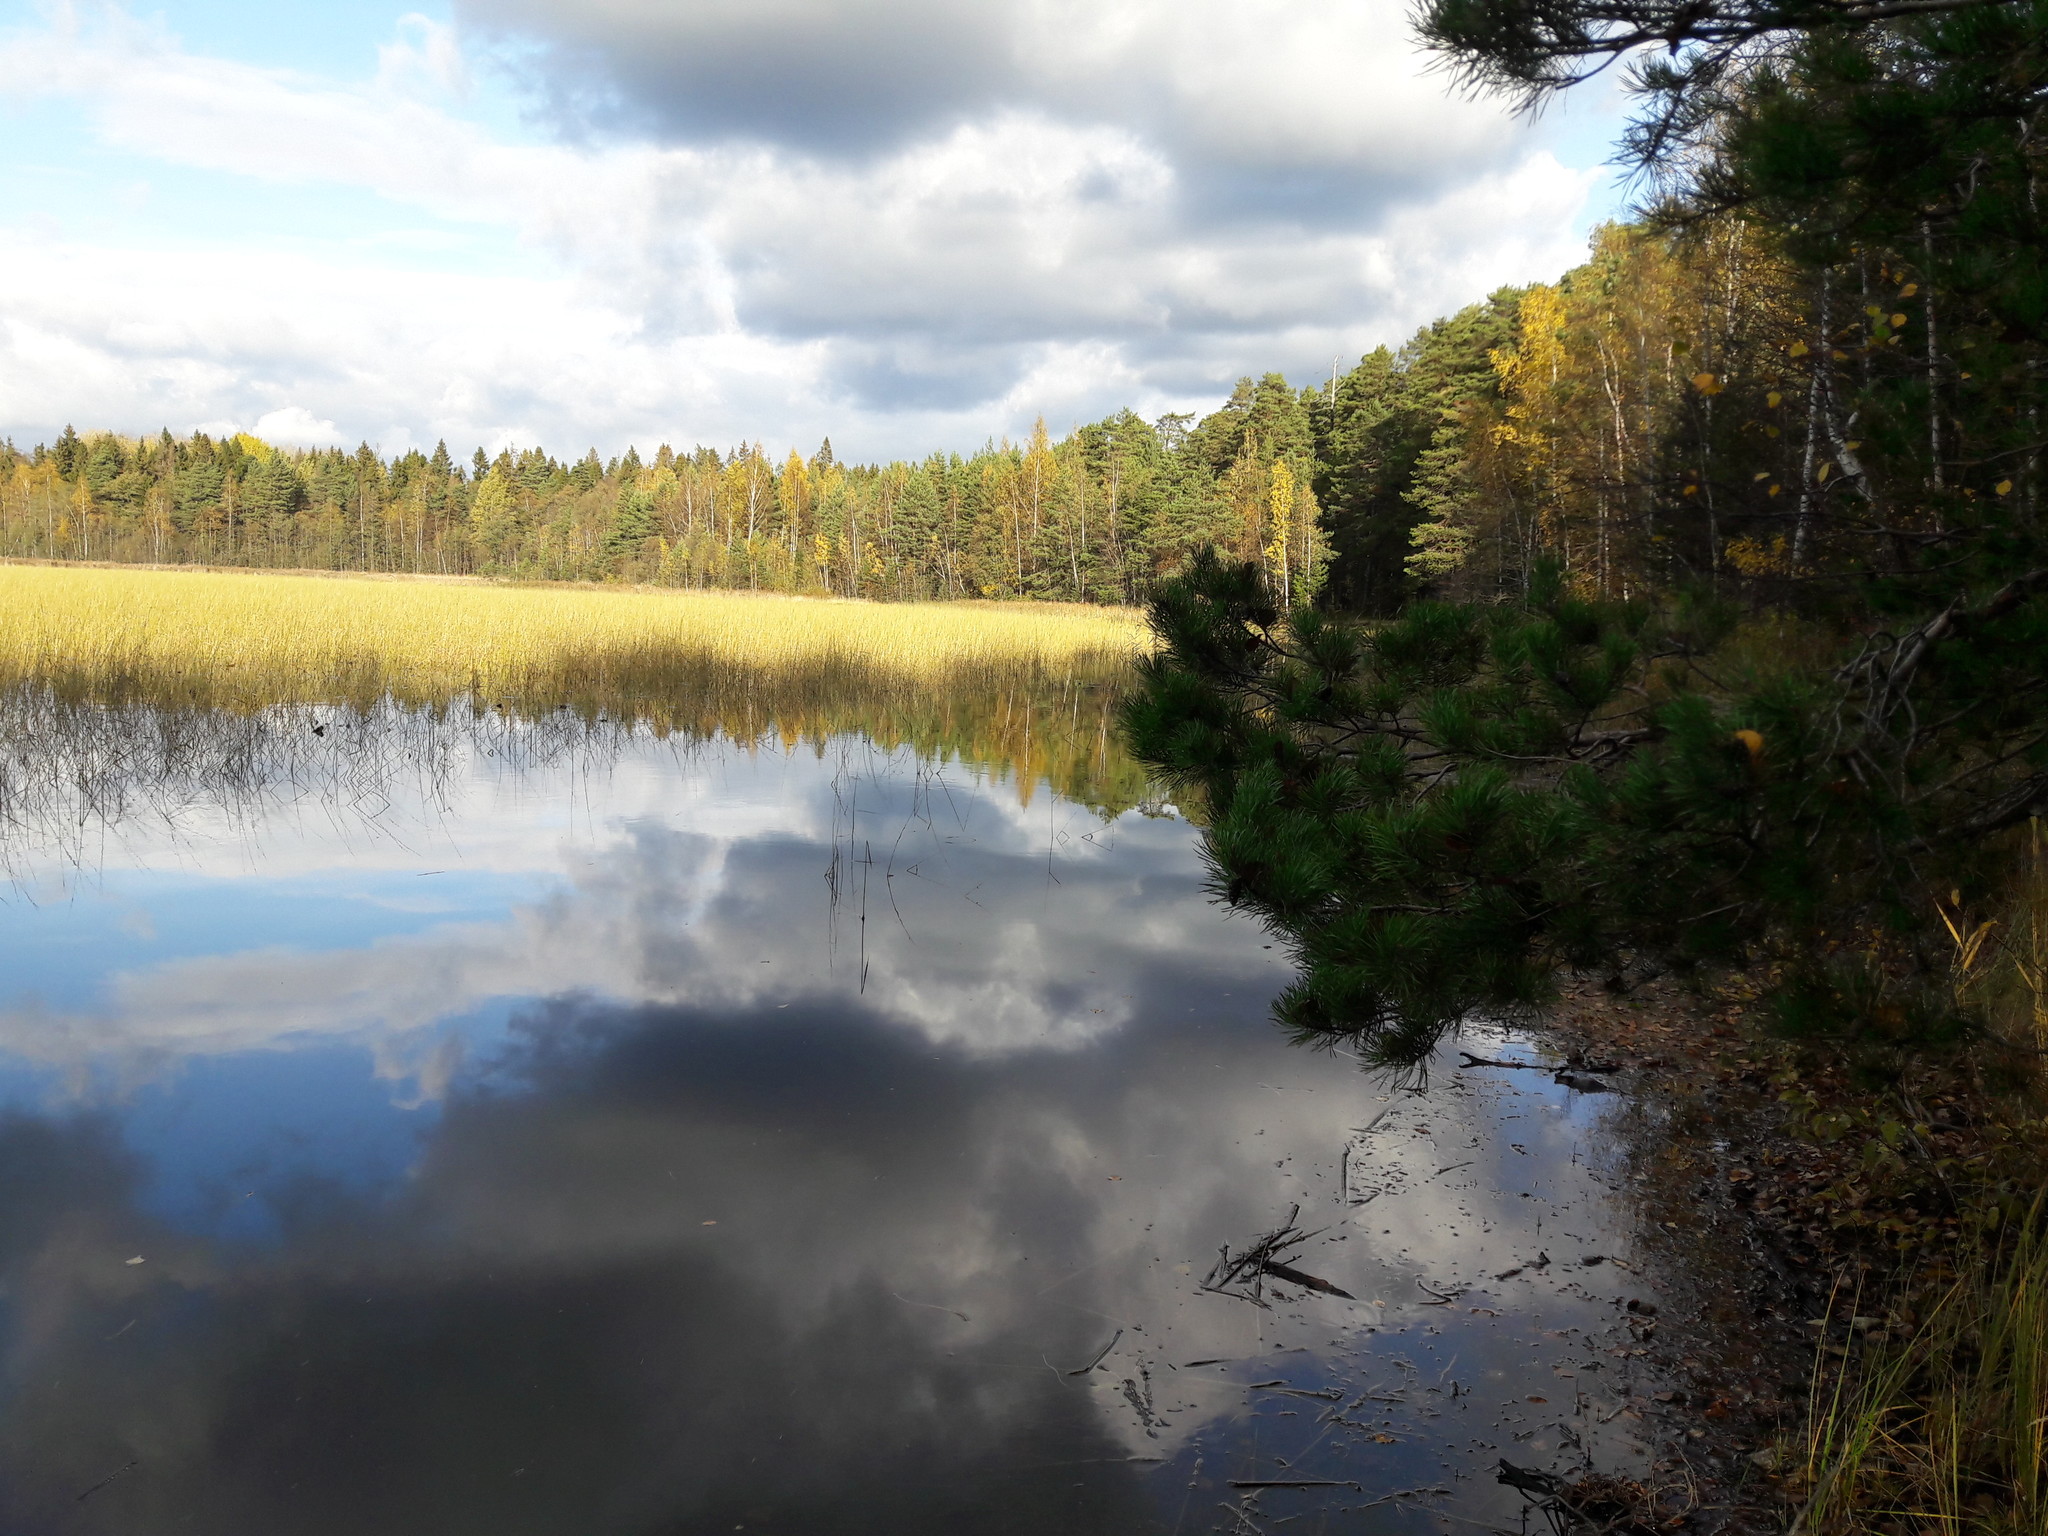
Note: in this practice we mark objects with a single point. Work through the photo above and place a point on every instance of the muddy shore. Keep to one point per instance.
(1788, 1247)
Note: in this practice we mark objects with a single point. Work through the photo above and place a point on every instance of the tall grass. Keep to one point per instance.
(232, 640)
(1947, 1432)
(94, 662)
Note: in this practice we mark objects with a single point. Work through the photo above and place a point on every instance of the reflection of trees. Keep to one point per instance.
(75, 768)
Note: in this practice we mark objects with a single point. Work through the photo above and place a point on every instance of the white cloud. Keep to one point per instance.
(1133, 205)
(298, 427)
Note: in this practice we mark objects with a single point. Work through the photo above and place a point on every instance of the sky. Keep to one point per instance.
(911, 225)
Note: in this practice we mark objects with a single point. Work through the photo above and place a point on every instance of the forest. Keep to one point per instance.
(1091, 518)
(1685, 403)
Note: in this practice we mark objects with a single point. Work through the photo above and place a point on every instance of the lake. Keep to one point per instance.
(444, 1122)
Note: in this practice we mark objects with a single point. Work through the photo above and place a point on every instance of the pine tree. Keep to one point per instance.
(632, 524)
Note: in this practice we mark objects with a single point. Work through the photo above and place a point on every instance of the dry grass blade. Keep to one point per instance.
(1945, 1432)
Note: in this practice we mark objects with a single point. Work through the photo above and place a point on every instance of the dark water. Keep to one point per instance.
(642, 1138)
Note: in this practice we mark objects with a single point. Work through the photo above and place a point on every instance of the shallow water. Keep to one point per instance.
(640, 1137)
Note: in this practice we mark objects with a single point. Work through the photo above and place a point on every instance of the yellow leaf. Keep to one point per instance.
(1909, 290)
(1692, 490)
(1839, 356)
(2004, 487)
(1851, 446)
(1772, 399)
(1753, 743)
(1770, 431)
(1775, 489)
(1897, 321)
(1797, 349)
(1762, 474)
(1824, 470)
(1706, 384)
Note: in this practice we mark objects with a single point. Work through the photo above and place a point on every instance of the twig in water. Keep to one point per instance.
(930, 1306)
(1104, 1355)
(1305, 1281)
(1243, 1275)
(112, 1478)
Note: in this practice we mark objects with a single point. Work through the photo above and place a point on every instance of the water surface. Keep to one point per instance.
(484, 1126)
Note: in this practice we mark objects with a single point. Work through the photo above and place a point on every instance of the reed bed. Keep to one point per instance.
(229, 640)
(129, 693)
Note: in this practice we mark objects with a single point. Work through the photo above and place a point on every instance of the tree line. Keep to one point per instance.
(1093, 517)
(1700, 400)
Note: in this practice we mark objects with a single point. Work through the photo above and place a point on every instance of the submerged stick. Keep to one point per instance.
(1104, 1355)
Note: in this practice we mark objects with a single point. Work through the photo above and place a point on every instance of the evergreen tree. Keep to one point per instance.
(67, 452)
(1600, 764)
(632, 525)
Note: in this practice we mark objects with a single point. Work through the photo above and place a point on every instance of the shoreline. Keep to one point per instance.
(1808, 1257)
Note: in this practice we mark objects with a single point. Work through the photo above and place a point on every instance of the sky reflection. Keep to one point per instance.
(750, 1139)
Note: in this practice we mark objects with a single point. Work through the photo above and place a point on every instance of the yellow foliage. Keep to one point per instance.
(1534, 366)
(1281, 526)
(1752, 557)
(493, 515)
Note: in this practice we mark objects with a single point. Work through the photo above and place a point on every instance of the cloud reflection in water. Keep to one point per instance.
(716, 1211)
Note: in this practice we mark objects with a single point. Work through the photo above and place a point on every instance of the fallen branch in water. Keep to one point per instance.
(1571, 1063)
(1244, 1274)
(1307, 1282)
